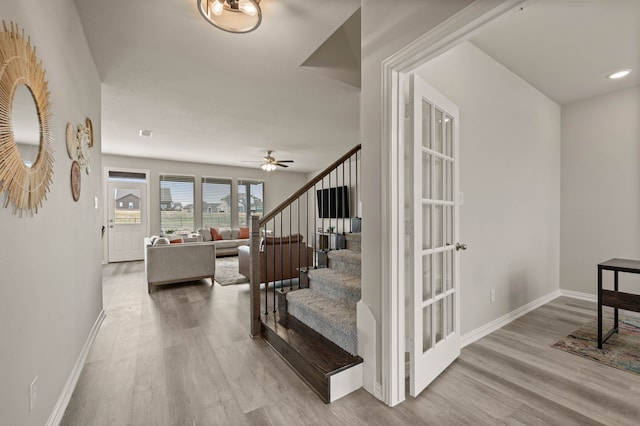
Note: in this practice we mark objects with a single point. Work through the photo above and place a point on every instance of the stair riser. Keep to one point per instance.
(341, 336)
(354, 245)
(349, 268)
(334, 291)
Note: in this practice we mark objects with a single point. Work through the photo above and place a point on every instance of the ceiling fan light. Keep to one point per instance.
(249, 8)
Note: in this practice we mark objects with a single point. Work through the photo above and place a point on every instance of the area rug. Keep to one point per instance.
(621, 350)
(227, 271)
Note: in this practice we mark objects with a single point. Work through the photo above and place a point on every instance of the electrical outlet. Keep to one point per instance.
(492, 295)
(33, 393)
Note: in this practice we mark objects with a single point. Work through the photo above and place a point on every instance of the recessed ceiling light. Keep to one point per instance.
(146, 133)
(619, 74)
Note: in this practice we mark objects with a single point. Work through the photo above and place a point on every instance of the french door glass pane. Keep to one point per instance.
(427, 292)
(437, 143)
(448, 136)
(450, 314)
(426, 329)
(448, 269)
(437, 273)
(426, 124)
(438, 222)
(426, 176)
(437, 180)
(127, 206)
(426, 227)
(448, 180)
(438, 307)
(448, 219)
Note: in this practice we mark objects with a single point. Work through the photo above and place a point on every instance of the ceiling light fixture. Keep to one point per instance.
(268, 167)
(619, 74)
(234, 16)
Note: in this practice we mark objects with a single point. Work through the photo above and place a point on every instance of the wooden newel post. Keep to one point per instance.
(254, 275)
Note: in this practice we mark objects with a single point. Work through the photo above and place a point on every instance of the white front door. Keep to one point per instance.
(432, 150)
(127, 220)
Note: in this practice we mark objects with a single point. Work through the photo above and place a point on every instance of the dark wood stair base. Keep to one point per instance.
(313, 357)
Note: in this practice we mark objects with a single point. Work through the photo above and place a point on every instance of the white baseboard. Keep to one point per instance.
(58, 411)
(578, 295)
(367, 346)
(377, 390)
(496, 324)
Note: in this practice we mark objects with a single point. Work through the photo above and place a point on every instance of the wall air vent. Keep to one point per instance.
(146, 133)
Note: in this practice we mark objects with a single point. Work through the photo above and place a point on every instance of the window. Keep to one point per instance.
(130, 205)
(120, 204)
(216, 202)
(176, 203)
(250, 200)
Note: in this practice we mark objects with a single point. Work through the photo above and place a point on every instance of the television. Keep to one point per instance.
(333, 203)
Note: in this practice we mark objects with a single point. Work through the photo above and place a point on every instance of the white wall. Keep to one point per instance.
(510, 177)
(50, 285)
(278, 185)
(600, 186)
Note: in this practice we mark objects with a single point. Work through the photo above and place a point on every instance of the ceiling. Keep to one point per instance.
(567, 48)
(214, 97)
(220, 98)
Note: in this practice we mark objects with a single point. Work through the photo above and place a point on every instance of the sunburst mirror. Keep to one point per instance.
(26, 152)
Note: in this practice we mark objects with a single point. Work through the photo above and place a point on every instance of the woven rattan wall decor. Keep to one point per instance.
(25, 185)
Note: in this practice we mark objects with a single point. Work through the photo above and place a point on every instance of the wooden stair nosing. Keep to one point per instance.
(313, 357)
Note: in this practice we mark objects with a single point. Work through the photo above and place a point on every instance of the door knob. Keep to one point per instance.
(460, 246)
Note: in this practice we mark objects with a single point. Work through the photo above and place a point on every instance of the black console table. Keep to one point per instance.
(615, 298)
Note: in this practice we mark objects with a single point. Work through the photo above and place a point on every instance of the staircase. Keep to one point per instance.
(328, 305)
(310, 320)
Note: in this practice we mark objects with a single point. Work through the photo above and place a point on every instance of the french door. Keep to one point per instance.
(127, 220)
(432, 151)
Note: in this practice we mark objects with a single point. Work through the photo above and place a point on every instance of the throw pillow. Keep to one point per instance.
(226, 233)
(244, 232)
(215, 234)
(205, 234)
(176, 241)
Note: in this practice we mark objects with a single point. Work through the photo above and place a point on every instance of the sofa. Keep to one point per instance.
(280, 258)
(226, 240)
(166, 263)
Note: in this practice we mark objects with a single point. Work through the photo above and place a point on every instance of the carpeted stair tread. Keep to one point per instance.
(335, 321)
(345, 255)
(335, 285)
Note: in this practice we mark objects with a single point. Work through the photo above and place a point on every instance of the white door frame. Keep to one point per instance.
(457, 29)
(105, 203)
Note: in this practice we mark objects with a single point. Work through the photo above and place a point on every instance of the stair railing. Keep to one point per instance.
(319, 213)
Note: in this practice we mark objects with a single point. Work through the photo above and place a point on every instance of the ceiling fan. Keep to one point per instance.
(269, 163)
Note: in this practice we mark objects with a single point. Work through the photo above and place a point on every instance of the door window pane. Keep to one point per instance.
(449, 306)
(438, 226)
(426, 227)
(426, 176)
(426, 329)
(448, 180)
(438, 184)
(439, 319)
(127, 202)
(437, 142)
(216, 202)
(437, 273)
(426, 278)
(448, 136)
(426, 125)
(176, 204)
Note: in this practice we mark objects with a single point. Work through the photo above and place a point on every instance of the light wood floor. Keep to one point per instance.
(182, 356)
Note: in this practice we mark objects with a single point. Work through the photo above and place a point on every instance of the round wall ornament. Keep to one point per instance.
(76, 177)
(25, 182)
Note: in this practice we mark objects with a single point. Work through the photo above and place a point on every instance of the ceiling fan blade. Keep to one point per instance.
(285, 161)
(281, 165)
